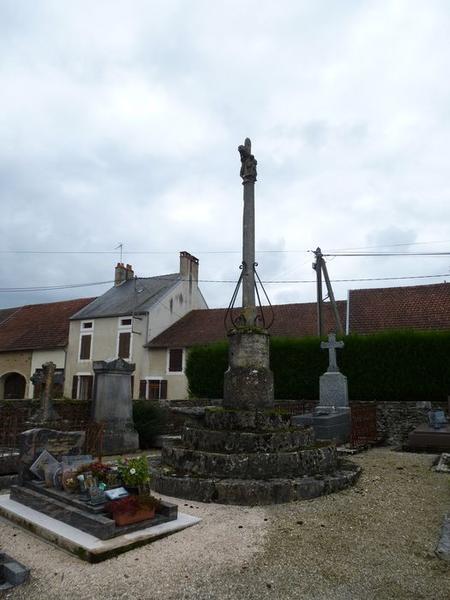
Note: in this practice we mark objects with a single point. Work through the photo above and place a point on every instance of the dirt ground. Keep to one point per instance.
(374, 541)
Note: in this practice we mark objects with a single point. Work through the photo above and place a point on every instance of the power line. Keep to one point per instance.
(392, 254)
(228, 281)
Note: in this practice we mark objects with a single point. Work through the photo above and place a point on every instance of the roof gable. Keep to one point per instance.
(136, 295)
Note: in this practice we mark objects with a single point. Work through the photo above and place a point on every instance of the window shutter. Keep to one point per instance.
(124, 344)
(142, 385)
(37, 390)
(85, 348)
(74, 387)
(176, 360)
(90, 382)
(132, 386)
(163, 392)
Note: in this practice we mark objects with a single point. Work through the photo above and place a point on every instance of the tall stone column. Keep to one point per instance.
(248, 382)
(113, 405)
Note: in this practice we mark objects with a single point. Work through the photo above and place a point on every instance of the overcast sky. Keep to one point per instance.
(120, 121)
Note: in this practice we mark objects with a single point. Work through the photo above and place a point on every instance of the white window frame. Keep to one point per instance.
(147, 386)
(85, 332)
(79, 375)
(124, 329)
(183, 361)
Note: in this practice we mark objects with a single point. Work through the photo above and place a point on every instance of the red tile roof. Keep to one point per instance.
(420, 307)
(39, 326)
(205, 326)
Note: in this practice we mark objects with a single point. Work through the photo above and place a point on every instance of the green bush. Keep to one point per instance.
(402, 365)
(149, 420)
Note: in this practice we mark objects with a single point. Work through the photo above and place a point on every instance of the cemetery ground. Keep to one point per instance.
(373, 541)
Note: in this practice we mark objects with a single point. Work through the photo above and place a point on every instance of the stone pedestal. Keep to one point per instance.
(328, 424)
(113, 405)
(248, 383)
(333, 390)
(331, 419)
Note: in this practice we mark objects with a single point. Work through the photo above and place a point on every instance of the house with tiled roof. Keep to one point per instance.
(418, 307)
(425, 307)
(30, 336)
(120, 322)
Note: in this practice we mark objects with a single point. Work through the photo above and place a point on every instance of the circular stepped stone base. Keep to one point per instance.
(257, 465)
(209, 440)
(252, 492)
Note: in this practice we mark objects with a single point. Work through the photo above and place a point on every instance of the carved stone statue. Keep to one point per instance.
(248, 167)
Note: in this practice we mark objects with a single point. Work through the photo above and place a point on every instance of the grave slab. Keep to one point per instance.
(84, 545)
(425, 437)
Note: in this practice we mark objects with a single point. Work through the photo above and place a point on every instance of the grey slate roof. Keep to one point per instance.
(133, 296)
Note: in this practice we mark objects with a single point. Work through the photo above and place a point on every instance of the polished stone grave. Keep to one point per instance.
(84, 545)
(428, 438)
(74, 510)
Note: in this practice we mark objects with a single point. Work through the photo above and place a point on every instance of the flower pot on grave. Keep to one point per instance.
(143, 514)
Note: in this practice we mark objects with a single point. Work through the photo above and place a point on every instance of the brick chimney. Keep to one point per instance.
(189, 267)
(120, 274)
(129, 272)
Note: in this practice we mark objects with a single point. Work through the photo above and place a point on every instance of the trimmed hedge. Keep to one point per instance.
(401, 365)
(149, 421)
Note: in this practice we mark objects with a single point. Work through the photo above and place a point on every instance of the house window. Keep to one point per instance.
(124, 344)
(86, 332)
(153, 389)
(124, 339)
(85, 347)
(175, 360)
(82, 387)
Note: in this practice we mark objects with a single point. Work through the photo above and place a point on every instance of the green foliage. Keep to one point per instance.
(401, 365)
(134, 471)
(205, 367)
(149, 420)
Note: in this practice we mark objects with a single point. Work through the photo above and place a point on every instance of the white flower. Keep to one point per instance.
(132, 471)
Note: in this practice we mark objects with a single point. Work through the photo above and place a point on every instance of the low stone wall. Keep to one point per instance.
(74, 415)
(395, 420)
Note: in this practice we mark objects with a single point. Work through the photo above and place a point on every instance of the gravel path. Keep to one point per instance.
(373, 542)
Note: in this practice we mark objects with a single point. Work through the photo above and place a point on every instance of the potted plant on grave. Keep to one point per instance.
(134, 473)
(132, 509)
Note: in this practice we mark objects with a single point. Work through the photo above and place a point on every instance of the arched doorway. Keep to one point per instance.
(14, 385)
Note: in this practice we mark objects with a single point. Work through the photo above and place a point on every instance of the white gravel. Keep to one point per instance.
(374, 542)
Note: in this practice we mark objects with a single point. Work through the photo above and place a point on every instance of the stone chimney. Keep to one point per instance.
(189, 267)
(120, 274)
(129, 272)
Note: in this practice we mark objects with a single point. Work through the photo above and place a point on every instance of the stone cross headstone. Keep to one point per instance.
(46, 413)
(332, 345)
(333, 384)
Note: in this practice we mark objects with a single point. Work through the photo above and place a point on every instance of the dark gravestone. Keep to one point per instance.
(58, 443)
(113, 406)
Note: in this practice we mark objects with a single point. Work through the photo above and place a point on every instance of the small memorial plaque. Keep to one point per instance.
(116, 493)
(44, 460)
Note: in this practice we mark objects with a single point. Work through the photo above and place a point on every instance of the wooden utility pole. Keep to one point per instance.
(320, 267)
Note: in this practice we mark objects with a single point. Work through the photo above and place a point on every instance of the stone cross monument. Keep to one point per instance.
(332, 345)
(46, 413)
(248, 382)
(333, 384)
